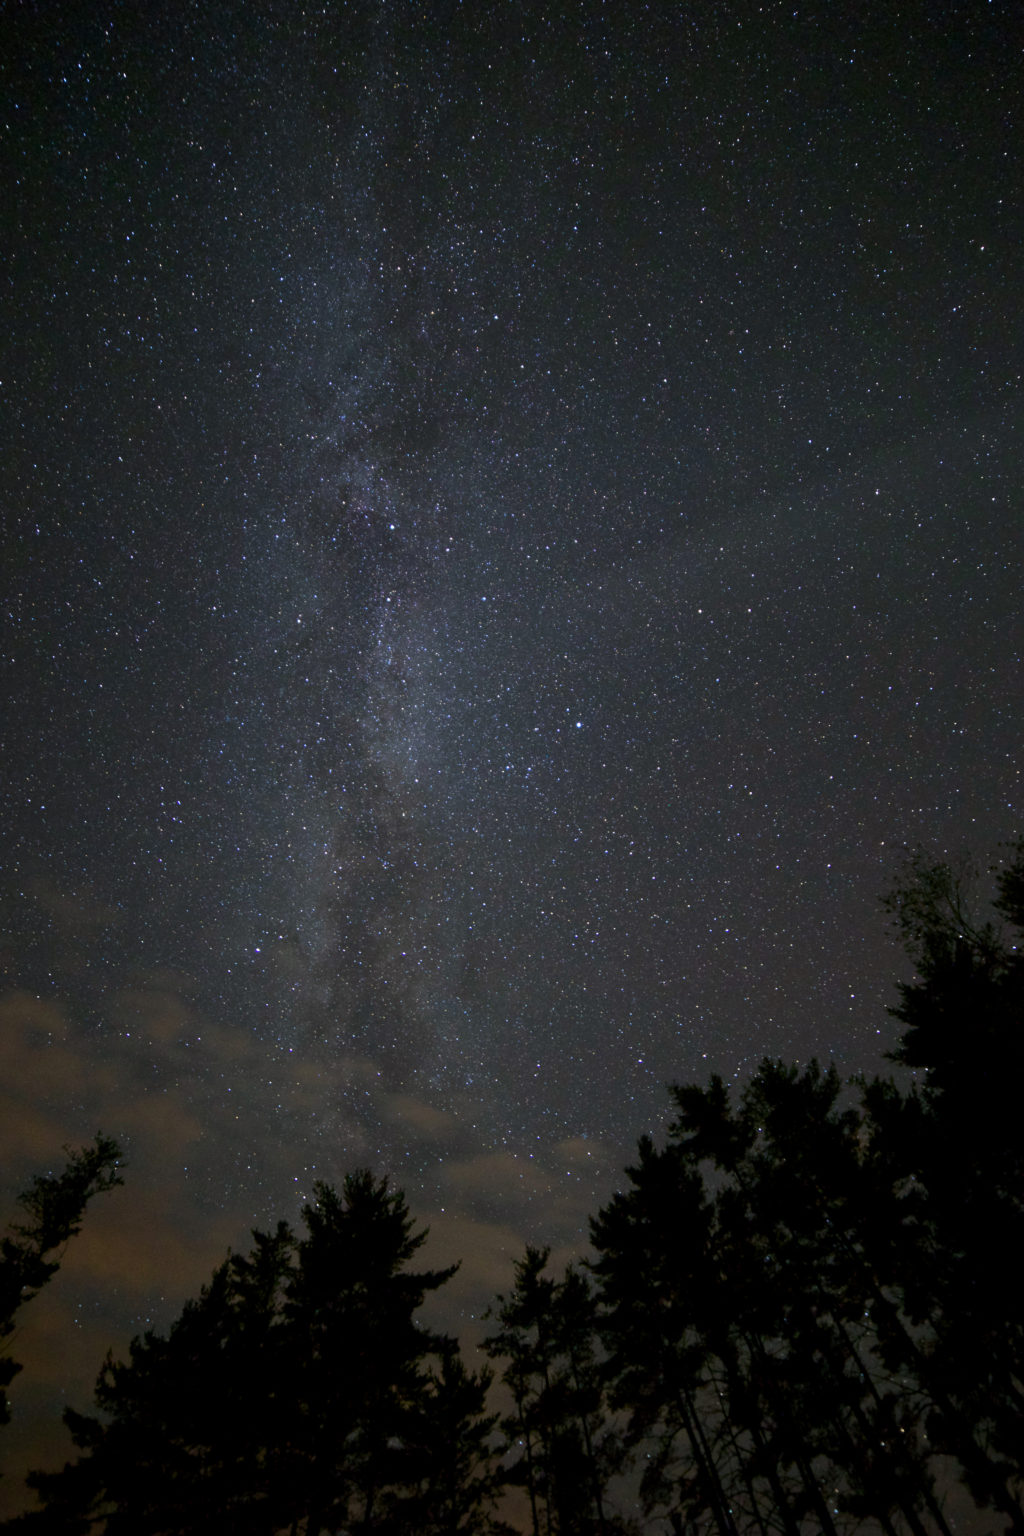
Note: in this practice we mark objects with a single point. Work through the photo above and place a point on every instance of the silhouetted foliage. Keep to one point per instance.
(297, 1392)
(959, 1147)
(564, 1451)
(811, 1304)
(802, 1314)
(32, 1249)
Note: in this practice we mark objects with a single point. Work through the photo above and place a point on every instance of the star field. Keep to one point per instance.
(513, 521)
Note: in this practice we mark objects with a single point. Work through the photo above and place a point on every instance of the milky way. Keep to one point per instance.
(514, 522)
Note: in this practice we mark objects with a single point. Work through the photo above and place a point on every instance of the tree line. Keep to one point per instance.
(802, 1313)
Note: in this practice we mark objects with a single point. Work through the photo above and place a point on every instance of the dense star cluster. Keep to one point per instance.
(513, 520)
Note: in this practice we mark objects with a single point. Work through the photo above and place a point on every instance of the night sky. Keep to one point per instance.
(513, 520)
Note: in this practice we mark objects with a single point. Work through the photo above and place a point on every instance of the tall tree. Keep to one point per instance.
(297, 1393)
(359, 1356)
(738, 1290)
(962, 1014)
(568, 1451)
(806, 1180)
(656, 1272)
(454, 1472)
(32, 1249)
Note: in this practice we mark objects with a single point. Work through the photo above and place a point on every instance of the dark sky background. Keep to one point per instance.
(513, 520)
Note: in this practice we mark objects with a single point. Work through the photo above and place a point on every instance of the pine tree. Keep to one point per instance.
(358, 1366)
(296, 1393)
(962, 1014)
(655, 1270)
(454, 1455)
(568, 1452)
(54, 1205)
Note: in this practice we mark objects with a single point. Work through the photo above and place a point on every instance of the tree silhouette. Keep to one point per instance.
(358, 1359)
(960, 1143)
(297, 1392)
(808, 1299)
(569, 1450)
(655, 1271)
(802, 1315)
(736, 1295)
(54, 1205)
(454, 1457)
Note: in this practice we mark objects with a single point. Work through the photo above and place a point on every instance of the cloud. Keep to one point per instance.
(485, 1252)
(48, 1084)
(582, 1152)
(493, 1179)
(156, 1014)
(405, 1111)
(30, 1014)
(75, 914)
(160, 1127)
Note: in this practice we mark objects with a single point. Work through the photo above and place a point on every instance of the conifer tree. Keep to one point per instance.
(568, 1451)
(959, 1143)
(54, 1205)
(655, 1271)
(297, 1393)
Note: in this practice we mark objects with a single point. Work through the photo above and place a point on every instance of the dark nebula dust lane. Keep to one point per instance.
(512, 520)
